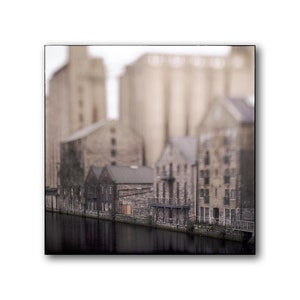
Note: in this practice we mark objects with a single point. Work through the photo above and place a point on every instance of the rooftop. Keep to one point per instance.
(187, 146)
(84, 132)
(97, 171)
(241, 108)
(133, 174)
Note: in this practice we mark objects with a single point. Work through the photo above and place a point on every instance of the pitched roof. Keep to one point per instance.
(82, 133)
(187, 146)
(241, 108)
(97, 171)
(134, 174)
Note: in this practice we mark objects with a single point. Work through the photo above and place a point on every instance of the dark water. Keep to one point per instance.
(67, 234)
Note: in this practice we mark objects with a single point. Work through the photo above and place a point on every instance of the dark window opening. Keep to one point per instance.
(113, 153)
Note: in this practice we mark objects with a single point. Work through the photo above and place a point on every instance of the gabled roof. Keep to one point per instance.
(97, 171)
(82, 133)
(187, 146)
(241, 108)
(134, 174)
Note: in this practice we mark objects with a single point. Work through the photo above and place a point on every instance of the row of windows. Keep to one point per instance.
(205, 214)
(227, 172)
(178, 169)
(91, 190)
(170, 191)
(228, 193)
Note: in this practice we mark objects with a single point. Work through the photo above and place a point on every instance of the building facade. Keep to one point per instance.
(163, 96)
(119, 190)
(75, 100)
(226, 188)
(175, 184)
(102, 143)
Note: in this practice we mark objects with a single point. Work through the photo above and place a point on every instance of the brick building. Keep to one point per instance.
(120, 190)
(104, 142)
(175, 183)
(226, 164)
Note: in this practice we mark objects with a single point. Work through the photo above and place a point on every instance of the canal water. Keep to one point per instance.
(67, 234)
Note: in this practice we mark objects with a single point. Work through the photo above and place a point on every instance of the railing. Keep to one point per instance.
(244, 225)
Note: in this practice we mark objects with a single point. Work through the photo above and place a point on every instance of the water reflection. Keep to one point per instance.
(67, 234)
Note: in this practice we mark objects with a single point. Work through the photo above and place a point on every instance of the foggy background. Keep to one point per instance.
(115, 59)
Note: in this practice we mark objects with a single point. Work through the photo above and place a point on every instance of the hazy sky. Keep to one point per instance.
(116, 58)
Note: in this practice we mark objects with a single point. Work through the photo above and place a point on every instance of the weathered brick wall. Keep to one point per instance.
(230, 146)
(133, 199)
(113, 143)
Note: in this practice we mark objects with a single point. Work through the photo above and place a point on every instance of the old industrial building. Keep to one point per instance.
(75, 100)
(175, 184)
(163, 96)
(226, 164)
(119, 190)
(104, 142)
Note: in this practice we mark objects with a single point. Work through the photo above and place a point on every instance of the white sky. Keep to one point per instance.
(117, 57)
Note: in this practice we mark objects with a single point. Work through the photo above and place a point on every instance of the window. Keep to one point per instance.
(164, 190)
(177, 190)
(226, 177)
(201, 173)
(201, 193)
(157, 190)
(233, 155)
(227, 139)
(206, 158)
(233, 194)
(185, 168)
(216, 192)
(216, 172)
(113, 141)
(201, 213)
(113, 152)
(206, 177)
(226, 198)
(227, 216)
(233, 172)
(206, 196)
(206, 214)
(113, 163)
(185, 191)
(178, 169)
(233, 218)
(112, 130)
